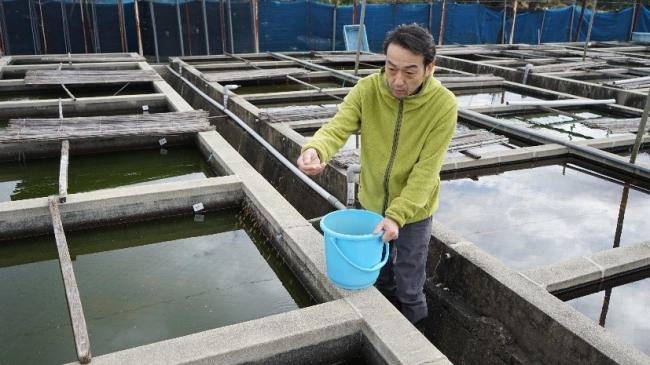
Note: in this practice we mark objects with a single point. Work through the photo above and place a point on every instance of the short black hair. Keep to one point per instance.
(414, 38)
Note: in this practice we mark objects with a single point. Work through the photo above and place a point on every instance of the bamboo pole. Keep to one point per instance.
(336, 6)
(360, 37)
(120, 15)
(180, 27)
(189, 34)
(222, 18)
(580, 18)
(40, 8)
(83, 24)
(442, 22)
(4, 48)
(514, 19)
(635, 17)
(63, 171)
(79, 328)
(205, 27)
(66, 32)
(641, 131)
(591, 24)
(256, 26)
(137, 26)
(155, 32)
(98, 48)
(232, 41)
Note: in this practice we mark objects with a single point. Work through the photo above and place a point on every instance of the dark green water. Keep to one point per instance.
(40, 177)
(140, 283)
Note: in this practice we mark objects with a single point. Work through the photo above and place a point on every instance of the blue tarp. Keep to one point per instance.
(283, 26)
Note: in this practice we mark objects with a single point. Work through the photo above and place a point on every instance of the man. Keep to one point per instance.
(406, 119)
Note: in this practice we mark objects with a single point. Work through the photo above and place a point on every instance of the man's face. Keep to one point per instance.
(405, 71)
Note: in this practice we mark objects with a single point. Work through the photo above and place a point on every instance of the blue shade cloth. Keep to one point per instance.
(285, 26)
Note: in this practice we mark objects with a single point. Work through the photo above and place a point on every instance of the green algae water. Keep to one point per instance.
(40, 177)
(140, 283)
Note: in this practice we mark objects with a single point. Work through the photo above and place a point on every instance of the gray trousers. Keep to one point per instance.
(403, 276)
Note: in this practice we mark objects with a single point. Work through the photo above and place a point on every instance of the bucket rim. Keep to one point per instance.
(356, 237)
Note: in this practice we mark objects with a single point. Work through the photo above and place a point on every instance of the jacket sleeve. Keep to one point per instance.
(333, 135)
(423, 183)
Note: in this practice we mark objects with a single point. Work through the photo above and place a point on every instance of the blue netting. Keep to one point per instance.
(294, 25)
(607, 26)
(471, 24)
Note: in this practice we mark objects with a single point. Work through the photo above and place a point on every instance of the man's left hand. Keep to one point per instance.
(390, 227)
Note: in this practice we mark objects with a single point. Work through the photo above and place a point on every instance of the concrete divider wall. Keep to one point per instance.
(565, 85)
(543, 328)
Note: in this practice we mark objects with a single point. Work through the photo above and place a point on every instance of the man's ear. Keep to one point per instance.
(428, 69)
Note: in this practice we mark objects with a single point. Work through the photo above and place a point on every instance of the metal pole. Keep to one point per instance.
(514, 18)
(232, 41)
(205, 27)
(359, 38)
(641, 131)
(137, 26)
(442, 22)
(591, 23)
(180, 27)
(155, 34)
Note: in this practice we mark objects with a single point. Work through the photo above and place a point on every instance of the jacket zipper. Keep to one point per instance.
(398, 125)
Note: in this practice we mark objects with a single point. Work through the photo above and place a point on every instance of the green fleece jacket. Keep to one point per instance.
(403, 144)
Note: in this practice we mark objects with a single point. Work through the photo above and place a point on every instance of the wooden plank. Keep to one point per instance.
(564, 66)
(245, 75)
(79, 328)
(63, 171)
(71, 77)
(161, 124)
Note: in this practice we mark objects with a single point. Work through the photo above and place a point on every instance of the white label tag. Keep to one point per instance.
(163, 151)
(145, 107)
(198, 207)
(162, 141)
(199, 217)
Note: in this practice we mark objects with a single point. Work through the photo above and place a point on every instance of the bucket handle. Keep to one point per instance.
(374, 268)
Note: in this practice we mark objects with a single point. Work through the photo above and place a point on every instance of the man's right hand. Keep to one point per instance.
(310, 163)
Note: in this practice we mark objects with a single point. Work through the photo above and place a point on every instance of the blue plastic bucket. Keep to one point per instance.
(353, 255)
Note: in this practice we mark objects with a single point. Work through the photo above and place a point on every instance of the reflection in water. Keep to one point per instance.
(40, 177)
(488, 97)
(622, 310)
(539, 215)
(140, 283)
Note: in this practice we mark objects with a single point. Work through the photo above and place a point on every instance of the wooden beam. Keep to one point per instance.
(79, 328)
(63, 171)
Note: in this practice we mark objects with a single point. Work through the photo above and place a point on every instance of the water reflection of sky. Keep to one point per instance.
(562, 126)
(491, 98)
(627, 314)
(537, 216)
